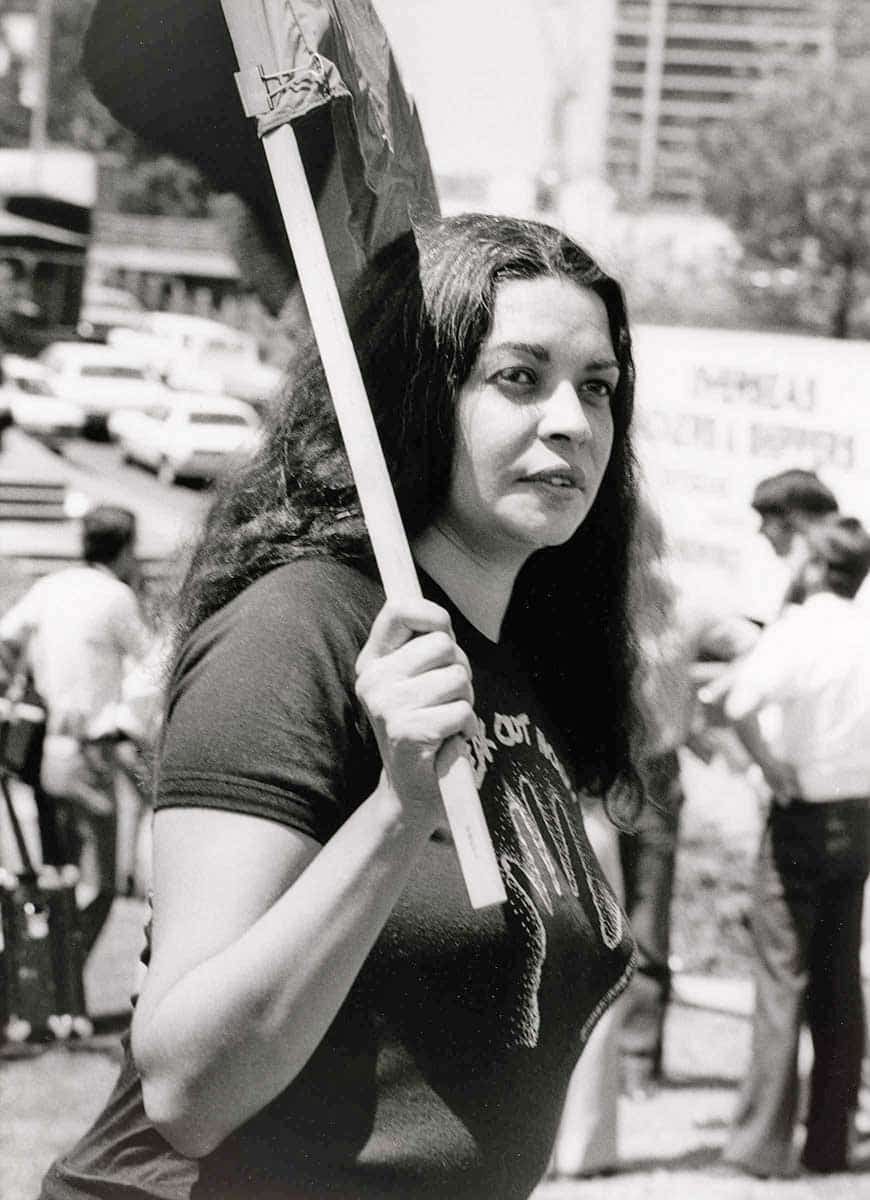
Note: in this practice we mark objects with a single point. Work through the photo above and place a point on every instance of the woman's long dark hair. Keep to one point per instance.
(420, 315)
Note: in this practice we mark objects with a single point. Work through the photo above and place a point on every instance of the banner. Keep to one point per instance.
(717, 411)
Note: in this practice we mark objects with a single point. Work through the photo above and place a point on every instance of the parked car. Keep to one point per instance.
(183, 347)
(101, 380)
(104, 308)
(189, 436)
(26, 394)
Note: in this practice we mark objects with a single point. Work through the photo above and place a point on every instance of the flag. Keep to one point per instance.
(165, 70)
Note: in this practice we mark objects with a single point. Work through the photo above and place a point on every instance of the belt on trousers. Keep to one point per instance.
(798, 805)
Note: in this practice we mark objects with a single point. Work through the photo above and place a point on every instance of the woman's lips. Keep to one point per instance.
(563, 479)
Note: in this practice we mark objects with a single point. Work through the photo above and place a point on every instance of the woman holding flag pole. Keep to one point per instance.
(323, 1014)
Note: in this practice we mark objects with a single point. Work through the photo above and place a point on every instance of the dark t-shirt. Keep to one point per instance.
(444, 1072)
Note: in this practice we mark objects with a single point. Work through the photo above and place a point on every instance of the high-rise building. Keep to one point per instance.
(679, 64)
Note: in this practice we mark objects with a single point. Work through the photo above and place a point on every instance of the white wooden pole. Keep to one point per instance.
(249, 25)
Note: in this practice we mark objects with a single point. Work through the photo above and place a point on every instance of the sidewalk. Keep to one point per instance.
(668, 1143)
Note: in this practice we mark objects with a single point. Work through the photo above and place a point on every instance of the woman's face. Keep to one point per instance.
(534, 422)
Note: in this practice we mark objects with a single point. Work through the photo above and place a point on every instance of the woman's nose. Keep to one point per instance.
(563, 414)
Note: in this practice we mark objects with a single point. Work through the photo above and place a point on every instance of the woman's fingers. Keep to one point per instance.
(426, 729)
(398, 622)
(421, 669)
(390, 696)
(423, 652)
(440, 686)
(415, 684)
(411, 659)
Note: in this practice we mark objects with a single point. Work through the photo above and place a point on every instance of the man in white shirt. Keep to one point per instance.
(82, 628)
(800, 702)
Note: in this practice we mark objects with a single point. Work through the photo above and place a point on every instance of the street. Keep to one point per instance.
(168, 515)
(165, 511)
(141, 486)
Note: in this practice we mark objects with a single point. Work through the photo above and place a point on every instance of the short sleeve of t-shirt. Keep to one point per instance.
(262, 715)
(767, 673)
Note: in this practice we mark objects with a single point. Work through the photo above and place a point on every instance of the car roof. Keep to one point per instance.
(23, 368)
(90, 352)
(209, 402)
(98, 295)
(186, 322)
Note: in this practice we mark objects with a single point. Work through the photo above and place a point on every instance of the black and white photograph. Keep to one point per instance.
(434, 599)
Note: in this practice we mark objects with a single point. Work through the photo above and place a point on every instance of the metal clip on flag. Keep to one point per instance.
(276, 91)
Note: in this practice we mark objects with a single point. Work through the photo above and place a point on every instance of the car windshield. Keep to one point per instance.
(97, 371)
(110, 298)
(231, 348)
(32, 387)
(210, 418)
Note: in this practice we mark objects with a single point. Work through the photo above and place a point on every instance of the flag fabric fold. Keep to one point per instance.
(383, 152)
(165, 70)
(283, 96)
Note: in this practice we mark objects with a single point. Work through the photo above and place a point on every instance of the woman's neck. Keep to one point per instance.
(480, 589)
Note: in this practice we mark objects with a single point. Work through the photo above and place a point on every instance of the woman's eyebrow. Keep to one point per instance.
(602, 364)
(534, 349)
(542, 354)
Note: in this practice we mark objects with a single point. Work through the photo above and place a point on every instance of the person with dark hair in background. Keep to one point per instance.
(323, 1013)
(789, 504)
(82, 628)
(800, 702)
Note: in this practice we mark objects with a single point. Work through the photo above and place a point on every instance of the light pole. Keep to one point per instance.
(41, 67)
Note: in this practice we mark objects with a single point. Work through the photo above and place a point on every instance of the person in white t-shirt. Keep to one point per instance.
(811, 671)
(82, 629)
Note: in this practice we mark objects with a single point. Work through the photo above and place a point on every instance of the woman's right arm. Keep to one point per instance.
(259, 932)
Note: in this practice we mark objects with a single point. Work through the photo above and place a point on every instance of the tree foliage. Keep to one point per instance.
(791, 174)
(162, 186)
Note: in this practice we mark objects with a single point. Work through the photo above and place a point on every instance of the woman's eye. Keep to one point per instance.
(599, 388)
(518, 376)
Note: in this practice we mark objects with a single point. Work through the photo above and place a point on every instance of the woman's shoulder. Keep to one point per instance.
(305, 619)
(315, 578)
(310, 599)
(318, 573)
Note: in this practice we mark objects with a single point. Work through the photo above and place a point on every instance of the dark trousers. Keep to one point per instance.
(806, 929)
(648, 864)
(90, 840)
(49, 835)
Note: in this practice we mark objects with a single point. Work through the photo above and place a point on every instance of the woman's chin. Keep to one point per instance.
(546, 534)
